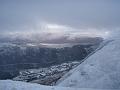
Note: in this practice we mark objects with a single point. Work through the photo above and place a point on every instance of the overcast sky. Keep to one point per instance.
(18, 15)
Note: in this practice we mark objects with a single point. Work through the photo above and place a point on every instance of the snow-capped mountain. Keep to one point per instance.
(101, 70)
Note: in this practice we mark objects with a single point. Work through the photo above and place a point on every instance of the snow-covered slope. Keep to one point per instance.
(101, 70)
(16, 85)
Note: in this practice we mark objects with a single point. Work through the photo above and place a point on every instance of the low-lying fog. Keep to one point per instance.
(53, 34)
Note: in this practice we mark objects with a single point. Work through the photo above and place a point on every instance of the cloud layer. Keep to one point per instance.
(19, 15)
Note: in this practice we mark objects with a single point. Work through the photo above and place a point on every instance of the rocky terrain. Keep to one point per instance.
(45, 76)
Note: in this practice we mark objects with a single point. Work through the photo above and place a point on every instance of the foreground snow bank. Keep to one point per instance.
(101, 70)
(17, 85)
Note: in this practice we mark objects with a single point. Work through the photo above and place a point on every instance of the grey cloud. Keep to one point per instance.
(23, 14)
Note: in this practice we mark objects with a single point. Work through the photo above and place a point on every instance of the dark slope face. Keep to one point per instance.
(32, 57)
(18, 51)
(13, 59)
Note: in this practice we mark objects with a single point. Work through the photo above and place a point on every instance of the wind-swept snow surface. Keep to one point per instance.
(17, 85)
(101, 70)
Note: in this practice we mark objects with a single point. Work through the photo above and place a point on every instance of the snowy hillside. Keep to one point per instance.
(16, 85)
(101, 70)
